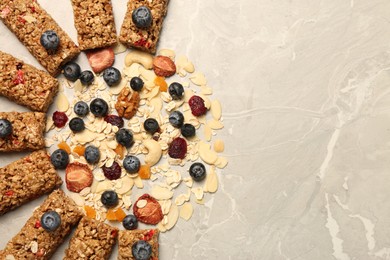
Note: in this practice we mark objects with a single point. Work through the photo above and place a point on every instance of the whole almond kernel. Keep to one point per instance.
(163, 66)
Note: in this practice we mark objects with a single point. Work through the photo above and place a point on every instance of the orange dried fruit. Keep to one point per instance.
(90, 212)
(160, 81)
(144, 172)
(64, 146)
(79, 150)
(120, 214)
(120, 150)
(110, 215)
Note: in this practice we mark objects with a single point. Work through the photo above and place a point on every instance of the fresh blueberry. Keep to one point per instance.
(81, 108)
(76, 125)
(72, 71)
(92, 154)
(124, 137)
(50, 41)
(176, 119)
(50, 220)
(151, 125)
(109, 198)
(86, 77)
(60, 159)
(176, 90)
(136, 83)
(141, 250)
(197, 171)
(131, 164)
(188, 130)
(5, 128)
(130, 222)
(112, 76)
(99, 107)
(142, 17)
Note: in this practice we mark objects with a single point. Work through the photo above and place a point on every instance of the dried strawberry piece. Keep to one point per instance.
(78, 176)
(113, 172)
(21, 19)
(178, 148)
(197, 106)
(60, 119)
(101, 59)
(9, 193)
(5, 12)
(19, 79)
(115, 120)
(37, 224)
(151, 213)
(148, 235)
(114, 233)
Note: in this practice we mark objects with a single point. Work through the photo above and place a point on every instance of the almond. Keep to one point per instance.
(163, 66)
(78, 176)
(150, 213)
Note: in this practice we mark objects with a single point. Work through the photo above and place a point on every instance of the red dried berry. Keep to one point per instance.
(115, 120)
(197, 106)
(37, 224)
(178, 148)
(113, 172)
(60, 119)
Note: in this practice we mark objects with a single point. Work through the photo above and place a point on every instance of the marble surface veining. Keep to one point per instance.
(305, 89)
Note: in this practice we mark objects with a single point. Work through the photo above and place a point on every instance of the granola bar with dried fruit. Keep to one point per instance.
(35, 242)
(27, 179)
(25, 84)
(128, 240)
(28, 21)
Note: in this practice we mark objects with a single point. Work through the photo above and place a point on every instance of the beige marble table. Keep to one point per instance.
(305, 89)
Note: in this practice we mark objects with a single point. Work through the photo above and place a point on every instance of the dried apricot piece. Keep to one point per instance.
(120, 214)
(64, 146)
(79, 150)
(90, 212)
(144, 172)
(110, 215)
(160, 81)
(120, 150)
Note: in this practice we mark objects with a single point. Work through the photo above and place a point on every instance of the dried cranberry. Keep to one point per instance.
(115, 120)
(19, 79)
(60, 119)
(197, 106)
(113, 172)
(37, 224)
(149, 235)
(9, 193)
(178, 148)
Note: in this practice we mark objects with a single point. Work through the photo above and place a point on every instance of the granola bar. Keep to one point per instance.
(128, 237)
(92, 240)
(25, 84)
(34, 242)
(27, 131)
(144, 39)
(94, 22)
(28, 20)
(27, 179)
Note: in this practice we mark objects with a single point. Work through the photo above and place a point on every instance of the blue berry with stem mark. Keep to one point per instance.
(50, 40)
(81, 108)
(92, 154)
(109, 198)
(141, 250)
(99, 107)
(76, 125)
(112, 76)
(60, 159)
(142, 17)
(72, 71)
(124, 137)
(130, 222)
(131, 164)
(5, 128)
(50, 221)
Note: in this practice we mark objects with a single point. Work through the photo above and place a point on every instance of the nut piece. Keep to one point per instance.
(78, 176)
(163, 66)
(128, 103)
(143, 58)
(151, 213)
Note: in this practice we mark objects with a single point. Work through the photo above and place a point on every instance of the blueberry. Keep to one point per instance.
(86, 77)
(136, 83)
(151, 125)
(188, 130)
(81, 108)
(5, 128)
(124, 137)
(197, 171)
(76, 125)
(176, 119)
(112, 76)
(99, 107)
(109, 198)
(50, 220)
(141, 250)
(72, 71)
(60, 159)
(92, 154)
(142, 17)
(176, 90)
(130, 222)
(50, 41)
(131, 164)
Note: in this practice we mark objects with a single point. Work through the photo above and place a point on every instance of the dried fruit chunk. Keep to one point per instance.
(160, 81)
(114, 120)
(79, 150)
(120, 214)
(60, 119)
(120, 151)
(101, 59)
(163, 66)
(113, 172)
(178, 148)
(197, 106)
(90, 212)
(78, 176)
(64, 146)
(144, 172)
(111, 215)
(128, 103)
(151, 213)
